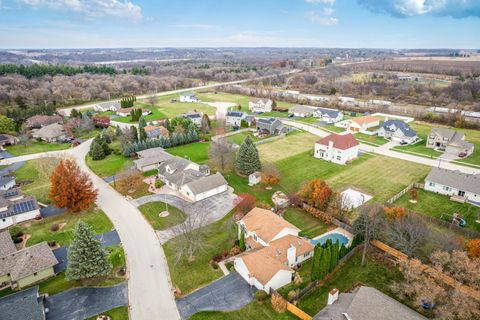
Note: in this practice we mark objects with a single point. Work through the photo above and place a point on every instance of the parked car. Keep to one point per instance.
(403, 142)
(291, 115)
(462, 154)
(67, 140)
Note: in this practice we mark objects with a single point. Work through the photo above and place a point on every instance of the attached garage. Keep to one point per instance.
(204, 187)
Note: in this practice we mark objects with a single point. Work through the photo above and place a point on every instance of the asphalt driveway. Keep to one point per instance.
(229, 293)
(82, 303)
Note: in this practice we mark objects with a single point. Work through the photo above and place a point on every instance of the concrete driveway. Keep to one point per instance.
(229, 293)
(82, 303)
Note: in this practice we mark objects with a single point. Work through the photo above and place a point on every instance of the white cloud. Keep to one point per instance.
(328, 11)
(323, 20)
(91, 8)
(328, 2)
(193, 26)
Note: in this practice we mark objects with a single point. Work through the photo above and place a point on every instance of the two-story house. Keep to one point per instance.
(188, 97)
(196, 117)
(234, 118)
(337, 148)
(450, 141)
(269, 125)
(397, 130)
(259, 105)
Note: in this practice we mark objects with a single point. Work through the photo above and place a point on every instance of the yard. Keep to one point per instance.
(252, 311)
(120, 313)
(141, 191)
(36, 147)
(189, 275)
(238, 99)
(38, 185)
(196, 152)
(308, 224)
(239, 137)
(111, 165)
(373, 140)
(436, 205)
(152, 210)
(332, 128)
(292, 144)
(420, 147)
(259, 191)
(39, 230)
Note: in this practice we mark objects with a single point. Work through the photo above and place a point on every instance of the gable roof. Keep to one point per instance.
(265, 223)
(302, 108)
(6, 243)
(455, 179)
(281, 246)
(207, 183)
(267, 121)
(340, 141)
(261, 100)
(443, 132)
(53, 130)
(151, 152)
(188, 94)
(262, 266)
(23, 305)
(235, 114)
(332, 113)
(364, 120)
(6, 179)
(393, 125)
(192, 115)
(43, 120)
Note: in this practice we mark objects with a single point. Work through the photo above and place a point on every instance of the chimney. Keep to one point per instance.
(291, 255)
(330, 144)
(332, 296)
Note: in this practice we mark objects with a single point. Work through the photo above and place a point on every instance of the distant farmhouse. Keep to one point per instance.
(450, 141)
(188, 97)
(397, 130)
(107, 106)
(260, 105)
(454, 183)
(269, 126)
(337, 148)
(234, 118)
(54, 132)
(196, 117)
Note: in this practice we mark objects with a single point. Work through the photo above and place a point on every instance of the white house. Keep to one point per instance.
(125, 112)
(278, 249)
(260, 105)
(196, 117)
(205, 187)
(234, 118)
(15, 208)
(302, 111)
(397, 130)
(107, 106)
(362, 123)
(188, 97)
(454, 183)
(328, 115)
(337, 148)
(7, 182)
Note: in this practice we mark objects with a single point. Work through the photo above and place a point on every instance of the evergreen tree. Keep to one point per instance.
(324, 263)
(142, 135)
(168, 126)
(334, 258)
(134, 133)
(247, 160)
(242, 245)
(96, 151)
(317, 255)
(106, 148)
(343, 251)
(86, 257)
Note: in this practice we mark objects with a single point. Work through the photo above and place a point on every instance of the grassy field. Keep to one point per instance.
(40, 229)
(376, 140)
(252, 311)
(151, 210)
(432, 204)
(196, 152)
(120, 313)
(189, 275)
(40, 184)
(372, 274)
(331, 127)
(286, 147)
(308, 120)
(111, 165)
(59, 283)
(36, 147)
(309, 225)
(238, 138)
(237, 99)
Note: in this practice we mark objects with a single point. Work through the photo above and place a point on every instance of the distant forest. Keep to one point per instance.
(39, 70)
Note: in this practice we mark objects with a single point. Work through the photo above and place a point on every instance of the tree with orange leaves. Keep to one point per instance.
(71, 188)
(473, 248)
(395, 213)
(316, 193)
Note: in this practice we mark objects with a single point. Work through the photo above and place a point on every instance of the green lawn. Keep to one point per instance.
(286, 147)
(252, 311)
(373, 274)
(40, 229)
(331, 127)
(420, 147)
(40, 184)
(191, 275)
(151, 210)
(308, 120)
(259, 191)
(375, 140)
(238, 138)
(432, 204)
(196, 152)
(36, 147)
(310, 226)
(239, 99)
(112, 164)
(120, 313)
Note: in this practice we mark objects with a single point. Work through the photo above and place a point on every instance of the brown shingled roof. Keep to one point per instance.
(265, 223)
(366, 119)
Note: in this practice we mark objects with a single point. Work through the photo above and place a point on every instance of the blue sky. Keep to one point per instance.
(245, 23)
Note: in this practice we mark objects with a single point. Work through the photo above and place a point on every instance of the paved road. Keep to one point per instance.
(229, 293)
(382, 150)
(82, 303)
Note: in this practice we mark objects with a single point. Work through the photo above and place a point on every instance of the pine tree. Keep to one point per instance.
(247, 160)
(242, 245)
(142, 135)
(334, 255)
(324, 263)
(96, 151)
(343, 251)
(317, 254)
(86, 257)
(134, 133)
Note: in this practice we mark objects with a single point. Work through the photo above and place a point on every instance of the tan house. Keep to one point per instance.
(50, 133)
(362, 123)
(260, 105)
(22, 268)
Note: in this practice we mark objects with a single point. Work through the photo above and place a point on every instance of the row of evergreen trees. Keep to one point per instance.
(326, 257)
(128, 102)
(39, 70)
(173, 140)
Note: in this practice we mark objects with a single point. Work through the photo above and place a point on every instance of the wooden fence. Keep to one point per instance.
(291, 307)
(326, 217)
(432, 272)
(407, 189)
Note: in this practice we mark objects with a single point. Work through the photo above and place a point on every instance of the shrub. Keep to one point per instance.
(278, 303)
(229, 266)
(52, 243)
(235, 250)
(16, 232)
(158, 184)
(54, 227)
(292, 294)
(261, 295)
(217, 257)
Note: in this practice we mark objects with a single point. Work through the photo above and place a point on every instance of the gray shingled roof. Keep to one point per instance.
(330, 112)
(19, 206)
(192, 115)
(151, 152)
(50, 131)
(27, 261)
(301, 108)
(235, 114)
(207, 183)
(443, 132)
(393, 125)
(6, 243)
(23, 305)
(267, 121)
(367, 304)
(6, 179)
(455, 179)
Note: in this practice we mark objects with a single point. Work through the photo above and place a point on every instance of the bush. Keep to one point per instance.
(54, 227)
(217, 257)
(235, 250)
(292, 294)
(16, 232)
(261, 295)
(214, 264)
(158, 184)
(302, 233)
(52, 243)
(229, 266)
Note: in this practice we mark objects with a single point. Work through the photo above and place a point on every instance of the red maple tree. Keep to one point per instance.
(71, 188)
(316, 193)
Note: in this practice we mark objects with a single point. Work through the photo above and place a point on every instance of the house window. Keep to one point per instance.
(339, 158)
(35, 274)
(446, 188)
(306, 254)
(255, 237)
(431, 184)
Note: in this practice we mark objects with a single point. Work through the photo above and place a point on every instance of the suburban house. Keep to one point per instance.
(269, 125)
(397, 130)
(337, 148)
(54, 132)
(26, 266)
(250, 120)
(26, 304)
(39, 121)
(7, 182)
(328, 115)
(188, 97)
(365, 303)
(454, 183)
(450, 141)
(302, 111)
(107, 106)
(7, 140)
(196, 117)
(260, 105)
(362, 123)
(234, 118)
(125, 112)
(149, 159)
(16, 208)
(275, 249)
(155, 132)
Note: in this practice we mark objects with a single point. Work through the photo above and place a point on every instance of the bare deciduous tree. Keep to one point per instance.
(408, 234)
(369, 224)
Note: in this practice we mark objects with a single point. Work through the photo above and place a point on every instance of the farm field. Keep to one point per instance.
(286, 147)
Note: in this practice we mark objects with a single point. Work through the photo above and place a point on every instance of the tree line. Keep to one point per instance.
(39, 70)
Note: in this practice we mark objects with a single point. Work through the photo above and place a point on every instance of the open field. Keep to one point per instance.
(237, 99)
(36, 147)
(436, 205)
(151, 212)
(308, 224)
(283, 148)
(196, 152)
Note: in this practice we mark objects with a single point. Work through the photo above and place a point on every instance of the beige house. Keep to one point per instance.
(22, 268)
(362, 123)
(50, 133)
(260, 105)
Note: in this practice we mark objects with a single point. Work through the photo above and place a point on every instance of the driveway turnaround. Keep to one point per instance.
(82, 303)
(229, 293)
